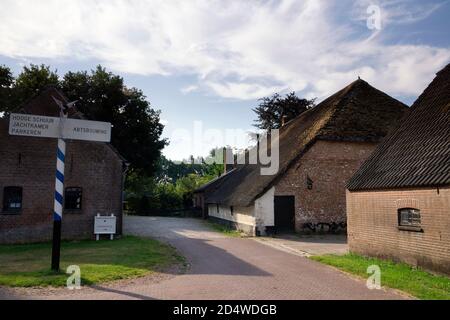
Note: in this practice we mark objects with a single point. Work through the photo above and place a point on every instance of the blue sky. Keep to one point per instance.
(210, 61)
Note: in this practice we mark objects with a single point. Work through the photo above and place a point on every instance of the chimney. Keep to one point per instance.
(228, 160)
(283, 120)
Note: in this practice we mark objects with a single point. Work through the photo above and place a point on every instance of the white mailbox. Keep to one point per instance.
(105, 225)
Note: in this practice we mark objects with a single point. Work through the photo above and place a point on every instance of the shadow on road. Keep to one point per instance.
(123, 293)
(203, 247)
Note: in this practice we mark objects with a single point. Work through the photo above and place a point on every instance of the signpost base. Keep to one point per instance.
(56, 247)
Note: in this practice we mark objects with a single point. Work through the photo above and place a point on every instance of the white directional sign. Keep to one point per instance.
(86, 130)
(64, 128)
(34, 126)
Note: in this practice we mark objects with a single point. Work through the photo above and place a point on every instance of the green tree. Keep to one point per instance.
(32, 80)
(6, 88)
(137, 129)
(170, 171)
(271, 110)
(187, 185)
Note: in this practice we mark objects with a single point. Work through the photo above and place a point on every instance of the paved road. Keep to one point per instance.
(307, 245)
(227, 268)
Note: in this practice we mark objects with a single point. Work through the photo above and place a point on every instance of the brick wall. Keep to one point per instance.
(373, 226)
(329, 165)
(30, 163)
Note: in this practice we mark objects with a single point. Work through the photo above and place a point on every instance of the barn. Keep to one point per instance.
(398, 202)
(318, 152)
(94, 177)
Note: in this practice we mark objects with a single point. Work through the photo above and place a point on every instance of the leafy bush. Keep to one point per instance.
(146, 196)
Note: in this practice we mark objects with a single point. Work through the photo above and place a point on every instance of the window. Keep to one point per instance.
(73, 199)
(231, 210)
(408, 217)
(217, 208)
(12, 199)
(309, 183)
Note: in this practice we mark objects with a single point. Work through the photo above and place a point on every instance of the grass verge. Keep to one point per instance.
(100, 261)
(226, 230)
(417, 282)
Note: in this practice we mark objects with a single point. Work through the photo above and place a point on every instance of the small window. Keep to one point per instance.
(309, 183)
(12, 199)
(217, 208)
(231, 210)
(409, 217)
(72, 199)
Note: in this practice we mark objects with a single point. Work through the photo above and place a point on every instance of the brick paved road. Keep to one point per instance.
(227, 268)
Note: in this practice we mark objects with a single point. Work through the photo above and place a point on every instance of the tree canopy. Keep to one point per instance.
(271, 110)
(6, 91)
(170, 171)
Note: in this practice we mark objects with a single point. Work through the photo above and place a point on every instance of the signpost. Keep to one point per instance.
(61, 128)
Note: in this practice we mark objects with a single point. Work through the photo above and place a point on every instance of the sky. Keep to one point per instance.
(205, 64)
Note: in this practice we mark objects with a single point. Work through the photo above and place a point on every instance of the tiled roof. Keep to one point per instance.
(417, 153)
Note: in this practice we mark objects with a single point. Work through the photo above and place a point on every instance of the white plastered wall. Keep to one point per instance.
(242, 215)
(264, 209)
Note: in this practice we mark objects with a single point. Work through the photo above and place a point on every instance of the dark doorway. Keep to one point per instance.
(284, 213)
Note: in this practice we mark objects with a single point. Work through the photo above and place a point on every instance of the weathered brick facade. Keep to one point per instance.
(30, 163)
(329, 165)
(373, 226)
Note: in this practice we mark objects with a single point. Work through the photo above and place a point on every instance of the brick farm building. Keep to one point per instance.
(318, 152)
(398, 202)
(93, 181)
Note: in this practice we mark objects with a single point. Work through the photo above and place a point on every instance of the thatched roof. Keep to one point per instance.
(358, 112)
(417, 153)
(213, 184)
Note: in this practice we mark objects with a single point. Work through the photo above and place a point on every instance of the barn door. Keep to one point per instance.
(284, 213)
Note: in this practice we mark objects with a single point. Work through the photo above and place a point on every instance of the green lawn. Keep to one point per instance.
(228, 231)
(99, 261)
(416, 282)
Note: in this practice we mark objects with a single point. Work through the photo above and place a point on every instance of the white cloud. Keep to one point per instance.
(189, 89)
(237, 49)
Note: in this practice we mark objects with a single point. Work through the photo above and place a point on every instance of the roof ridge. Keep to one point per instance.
(343, 100)
(310, 110)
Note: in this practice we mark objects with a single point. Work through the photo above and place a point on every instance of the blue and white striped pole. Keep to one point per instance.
(59, 181)
(58, 205)
(59, 193)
